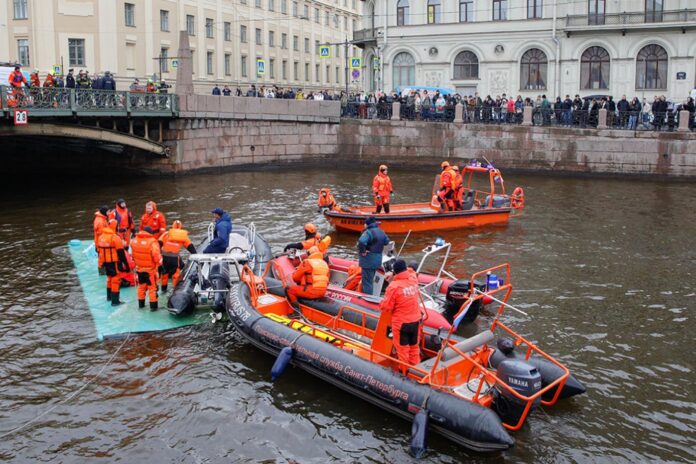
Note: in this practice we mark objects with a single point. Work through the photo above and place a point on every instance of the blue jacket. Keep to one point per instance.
(221, 236)
(372, 241)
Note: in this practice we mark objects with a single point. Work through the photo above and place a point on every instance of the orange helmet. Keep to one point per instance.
(176, 224)
(445, 164)
(313, 250)
(310, 228)
(382, 167)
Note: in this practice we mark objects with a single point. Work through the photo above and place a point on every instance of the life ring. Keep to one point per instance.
(517, 198)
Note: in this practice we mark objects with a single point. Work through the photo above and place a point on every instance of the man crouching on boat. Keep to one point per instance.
(401, 299)
(311, 277)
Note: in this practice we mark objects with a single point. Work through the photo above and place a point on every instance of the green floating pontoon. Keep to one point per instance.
(112, 321)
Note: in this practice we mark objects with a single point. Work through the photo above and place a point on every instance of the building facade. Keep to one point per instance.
(139, 38)
(532, 47)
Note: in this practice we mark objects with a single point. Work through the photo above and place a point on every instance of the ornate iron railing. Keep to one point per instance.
(87, 102)
(629, 18)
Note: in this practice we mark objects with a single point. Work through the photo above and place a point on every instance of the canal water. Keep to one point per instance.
(605, 269)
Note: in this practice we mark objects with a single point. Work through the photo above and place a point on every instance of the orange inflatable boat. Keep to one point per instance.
(481, 204)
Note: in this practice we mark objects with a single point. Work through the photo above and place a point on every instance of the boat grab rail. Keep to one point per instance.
(363, 319)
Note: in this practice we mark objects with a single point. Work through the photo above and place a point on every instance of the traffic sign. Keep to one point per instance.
(175, 64)
(57, 70)
(355, 74)
(355, 63)
(260, 67)
(21, 117)
(325, 51)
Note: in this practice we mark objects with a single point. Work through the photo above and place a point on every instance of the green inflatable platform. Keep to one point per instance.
(112, 321)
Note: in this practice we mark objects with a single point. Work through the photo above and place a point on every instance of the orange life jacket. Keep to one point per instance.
(382, 185)
(49, 81)
(154, 221)
(402, 299)
(456, 181)
(313, 272)
(327, 200)
(146, 251)
(173, 240)
(16, 79)
(317, 241)
(447, 178)
(108, 244)
(123, 217)
(354, 280)
(100, 222)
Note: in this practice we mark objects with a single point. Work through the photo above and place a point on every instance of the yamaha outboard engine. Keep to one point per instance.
(457, 293)
(219, 277)
(525, 379)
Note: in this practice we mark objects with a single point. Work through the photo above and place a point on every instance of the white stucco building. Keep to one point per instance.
(531, 47)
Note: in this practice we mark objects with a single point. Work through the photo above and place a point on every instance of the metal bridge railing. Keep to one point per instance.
(87, 102)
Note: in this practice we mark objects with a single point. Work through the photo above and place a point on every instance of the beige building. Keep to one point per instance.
(227, 38)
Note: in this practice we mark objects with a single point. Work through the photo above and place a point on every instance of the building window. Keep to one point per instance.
(209, 28)
(296, 71)
(316, 47)
(653, 11)
(404, 70)
(283, 41)
(355, 25)
(338, 51)
(295, 43)
(271, 39)
(190, 25)
(76, 52)
(258, 3)
(271, 68)
(466, 11)
(651, 68)
(164, 21)
(595, 12)
(338, 73)
(316, 15)
(594, 68)
(345, 23)
(294, 9)
(305, 11)
(306, 72)
(326, 17)
(228, 66)
(402, 12)
(306, 44)
(130, 14)
(271, 5)
(284, 6)
(533, 70)
(335, 21)
(209, 62)
(164, 60)
(258, 36)
(317, 76)
(466, 66)
(20, 9)
(284, 70)
(23, 52)
(499, 10)
(534, 9)
(243, 33)
(327, 75)
(434, 11)
(228, 31)
(243, 66)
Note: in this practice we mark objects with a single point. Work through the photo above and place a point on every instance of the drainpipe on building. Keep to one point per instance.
(384, 45)
(557, 73)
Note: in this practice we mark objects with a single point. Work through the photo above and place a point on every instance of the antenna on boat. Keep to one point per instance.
(402, 245)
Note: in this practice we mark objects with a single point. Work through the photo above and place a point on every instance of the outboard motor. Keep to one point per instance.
(457, 293)
(525, 379)
(219, 277)
(183, 298)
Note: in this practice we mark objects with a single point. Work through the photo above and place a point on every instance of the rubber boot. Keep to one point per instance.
(164, 289)
(115, 299)
(153, 306)
(108, 294)
(141, 304)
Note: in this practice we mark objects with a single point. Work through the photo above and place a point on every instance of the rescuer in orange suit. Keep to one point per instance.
(16, 80)
(171, 243)
(312, 238)
(112, 257)
(147, 257)
(125, 227)
(311, 277)
(402, 300)
(354, 279)
(382, 188)
(100, 221)
(326, 200)
(445, 194)
(34, 79)
(153, 219)
(457, 190)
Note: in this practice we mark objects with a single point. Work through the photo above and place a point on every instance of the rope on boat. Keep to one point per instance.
(71, 396)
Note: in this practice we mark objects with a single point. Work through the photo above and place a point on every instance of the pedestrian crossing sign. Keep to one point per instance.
(175, 64)
(57, 70)
(260, 67)
(355, 63)
(325, 51)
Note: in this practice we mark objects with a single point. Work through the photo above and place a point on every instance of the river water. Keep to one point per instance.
(605, 269)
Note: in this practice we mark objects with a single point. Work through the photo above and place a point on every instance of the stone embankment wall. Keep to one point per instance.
(538, 149)
(220, 132)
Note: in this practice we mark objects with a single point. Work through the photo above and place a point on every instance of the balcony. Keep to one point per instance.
(365, 37)
(639, 20)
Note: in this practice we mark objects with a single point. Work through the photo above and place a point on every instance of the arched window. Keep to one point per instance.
(404, 70)
(402, 12)
(533, 70)
(466, 66)
(594, 68)
(651, 68)
(434, 11)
